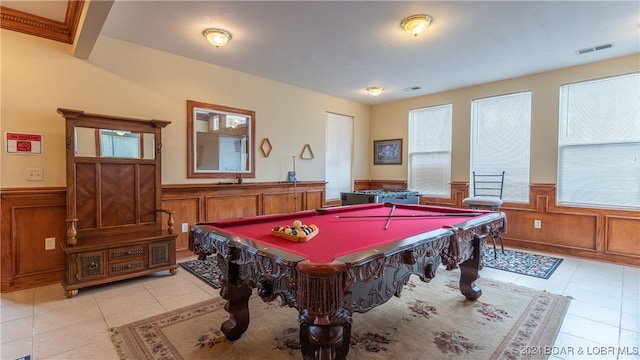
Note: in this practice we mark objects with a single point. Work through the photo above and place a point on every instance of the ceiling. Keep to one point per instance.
(342, 47)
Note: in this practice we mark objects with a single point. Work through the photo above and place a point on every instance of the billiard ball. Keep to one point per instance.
(297, 224)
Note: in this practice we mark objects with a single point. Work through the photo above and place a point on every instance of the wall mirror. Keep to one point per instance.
(110, 143)
(220, 141)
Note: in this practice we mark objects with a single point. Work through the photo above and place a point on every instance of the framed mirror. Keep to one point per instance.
(220, 141)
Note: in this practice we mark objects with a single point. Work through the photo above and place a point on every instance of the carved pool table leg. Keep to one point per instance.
(237, 296)
(469, 271)
(325, 342)
(325, 326)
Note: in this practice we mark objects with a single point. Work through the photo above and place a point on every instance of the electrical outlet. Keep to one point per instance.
(34, 174)
(50, 243)
(537, 224)
(185, 227)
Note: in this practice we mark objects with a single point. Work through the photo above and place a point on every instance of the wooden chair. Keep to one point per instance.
(487, 195)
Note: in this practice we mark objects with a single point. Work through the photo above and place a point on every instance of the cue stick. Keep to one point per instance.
(295, 180)
(407, 216)
(393, 208)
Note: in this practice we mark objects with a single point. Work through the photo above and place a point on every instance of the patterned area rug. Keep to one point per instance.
(206, 270)
(429, 321)
(518, 262)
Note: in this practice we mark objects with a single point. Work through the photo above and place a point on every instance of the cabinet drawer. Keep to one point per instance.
(91, 265)
(130, 252)
(159, 253)
(126, 267)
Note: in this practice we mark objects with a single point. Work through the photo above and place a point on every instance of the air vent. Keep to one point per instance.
(594, 48)
(413, 88)
(605, 46)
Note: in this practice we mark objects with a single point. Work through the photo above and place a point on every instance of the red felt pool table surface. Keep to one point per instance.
(340, 235)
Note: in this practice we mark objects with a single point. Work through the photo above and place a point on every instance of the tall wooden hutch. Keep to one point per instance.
(114, 219)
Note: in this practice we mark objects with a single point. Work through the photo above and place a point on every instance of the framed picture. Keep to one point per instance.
(387, 152)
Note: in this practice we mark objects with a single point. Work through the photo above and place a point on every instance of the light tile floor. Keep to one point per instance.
(603, 321)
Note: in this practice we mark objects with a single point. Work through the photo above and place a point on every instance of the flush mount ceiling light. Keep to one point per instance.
(217, 37)
(375, 90)
(416, 24)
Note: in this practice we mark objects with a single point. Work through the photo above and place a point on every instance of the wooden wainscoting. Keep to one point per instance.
(609, 235)
(31, 215)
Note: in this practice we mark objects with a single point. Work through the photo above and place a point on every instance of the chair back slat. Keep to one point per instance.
(488, 184)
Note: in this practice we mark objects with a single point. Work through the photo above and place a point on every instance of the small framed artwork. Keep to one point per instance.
(387, 152)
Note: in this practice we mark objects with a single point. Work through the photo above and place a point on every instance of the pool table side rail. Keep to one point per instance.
(386, 250)
(257, 219)
(492, 225)
(416, 207)
(204, 238)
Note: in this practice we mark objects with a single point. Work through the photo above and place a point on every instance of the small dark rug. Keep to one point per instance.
(206, 270)
(518, 262)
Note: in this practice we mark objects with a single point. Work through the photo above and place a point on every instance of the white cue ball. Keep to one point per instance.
(297, 224)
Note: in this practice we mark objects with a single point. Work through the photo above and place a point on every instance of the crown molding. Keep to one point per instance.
(26, 23)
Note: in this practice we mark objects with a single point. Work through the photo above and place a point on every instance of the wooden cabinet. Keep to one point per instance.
(101, 260)
(114, 215)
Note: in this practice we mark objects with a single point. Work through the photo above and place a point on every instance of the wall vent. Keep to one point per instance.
(594, 48)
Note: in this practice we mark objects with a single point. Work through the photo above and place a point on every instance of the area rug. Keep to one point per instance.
(518, 262)
(429, 321)
(206, 270)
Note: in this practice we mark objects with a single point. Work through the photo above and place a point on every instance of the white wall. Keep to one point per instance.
(38, 76)
(389, 120)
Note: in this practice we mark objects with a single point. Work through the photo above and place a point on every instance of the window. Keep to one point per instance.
(430, 150)
(338, 161)
(599, 143)
(500, 141)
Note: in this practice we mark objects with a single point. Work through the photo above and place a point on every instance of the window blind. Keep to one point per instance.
(430, 150)
(500, 141)
(599, 143)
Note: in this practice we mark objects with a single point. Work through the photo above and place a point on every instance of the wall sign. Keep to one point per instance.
(23, 144)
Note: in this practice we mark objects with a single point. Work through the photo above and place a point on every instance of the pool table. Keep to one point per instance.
(361, 256)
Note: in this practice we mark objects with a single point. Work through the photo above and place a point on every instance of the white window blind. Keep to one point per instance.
(500, 141)
(338, 156)
(599, 143)
(430, 150)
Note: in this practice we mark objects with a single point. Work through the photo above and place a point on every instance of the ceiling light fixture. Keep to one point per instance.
(416, 24)
(375, 90)
(217, 37)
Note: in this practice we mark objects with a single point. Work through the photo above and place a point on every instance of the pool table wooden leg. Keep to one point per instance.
(469, 271)
(325, 342)
(237, 295)
(325, 326)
